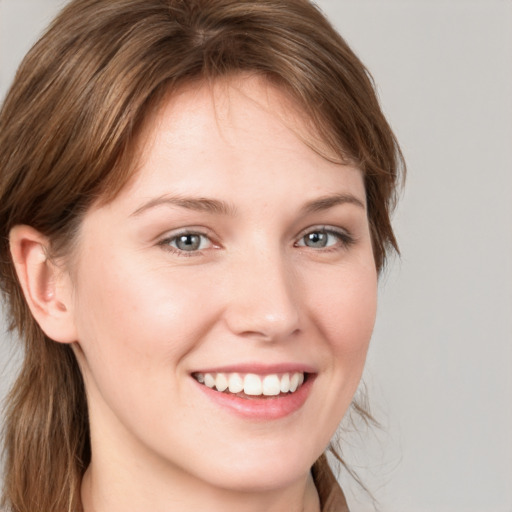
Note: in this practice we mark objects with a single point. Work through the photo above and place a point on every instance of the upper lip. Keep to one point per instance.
(259, 368)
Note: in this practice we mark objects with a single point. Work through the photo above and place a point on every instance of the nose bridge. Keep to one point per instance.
(263, 303)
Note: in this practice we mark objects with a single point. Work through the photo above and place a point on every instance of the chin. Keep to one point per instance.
(265, 471)
(260, 478)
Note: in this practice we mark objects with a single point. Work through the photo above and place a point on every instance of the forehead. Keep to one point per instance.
(229, 130)
(231, 105)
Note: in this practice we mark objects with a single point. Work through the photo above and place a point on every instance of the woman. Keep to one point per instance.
(195, 199)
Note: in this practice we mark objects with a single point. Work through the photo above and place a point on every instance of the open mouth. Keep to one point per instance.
(252, 385)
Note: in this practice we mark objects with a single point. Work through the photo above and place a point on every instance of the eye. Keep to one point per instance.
(324, 238)
(187, 242)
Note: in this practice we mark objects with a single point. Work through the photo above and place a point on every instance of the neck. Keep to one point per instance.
(117, 491)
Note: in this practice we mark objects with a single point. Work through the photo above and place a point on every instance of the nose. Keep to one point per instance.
(263, 297)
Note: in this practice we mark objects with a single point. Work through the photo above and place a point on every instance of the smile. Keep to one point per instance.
(251, 384)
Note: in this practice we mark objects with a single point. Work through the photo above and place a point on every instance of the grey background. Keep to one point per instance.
(440, 367)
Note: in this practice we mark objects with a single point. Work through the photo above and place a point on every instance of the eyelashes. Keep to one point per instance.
(191, 242)
(323, 238)
(187, 243)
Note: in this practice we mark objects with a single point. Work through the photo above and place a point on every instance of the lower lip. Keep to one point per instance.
(256, 408)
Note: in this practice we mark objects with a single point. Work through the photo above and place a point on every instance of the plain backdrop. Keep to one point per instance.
(439, 372)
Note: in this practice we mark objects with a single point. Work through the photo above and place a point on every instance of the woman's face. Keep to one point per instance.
(237, 256)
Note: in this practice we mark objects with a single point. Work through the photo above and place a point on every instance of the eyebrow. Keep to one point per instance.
(208, 205)
(201, 204)
(324, 203)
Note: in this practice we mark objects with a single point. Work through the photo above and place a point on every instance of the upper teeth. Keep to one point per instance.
(251, 383)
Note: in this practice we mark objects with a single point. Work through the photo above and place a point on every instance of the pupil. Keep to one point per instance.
(188, 242)
(317, 239)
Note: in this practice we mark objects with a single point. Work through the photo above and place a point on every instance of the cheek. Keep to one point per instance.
(134, 331)
(138, 317)
(346, 307)
(344, 310)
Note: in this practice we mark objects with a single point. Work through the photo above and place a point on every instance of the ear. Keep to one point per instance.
(47, 288)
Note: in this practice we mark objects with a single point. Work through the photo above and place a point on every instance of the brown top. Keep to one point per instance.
(331, 496)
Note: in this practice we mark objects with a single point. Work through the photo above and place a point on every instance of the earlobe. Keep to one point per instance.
(47, 287)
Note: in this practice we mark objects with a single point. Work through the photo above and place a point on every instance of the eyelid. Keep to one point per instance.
(165, 240)
(345, 238)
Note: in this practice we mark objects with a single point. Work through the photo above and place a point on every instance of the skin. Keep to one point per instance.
(143, 315)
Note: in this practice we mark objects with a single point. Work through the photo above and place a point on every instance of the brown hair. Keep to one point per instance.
(67, 132)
